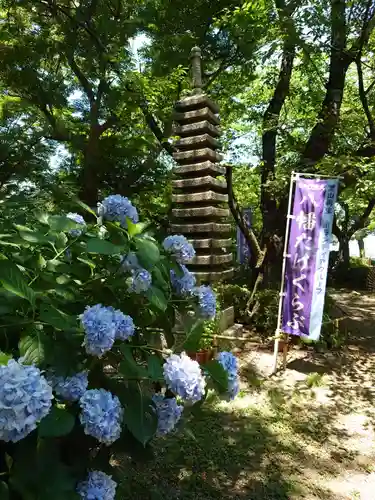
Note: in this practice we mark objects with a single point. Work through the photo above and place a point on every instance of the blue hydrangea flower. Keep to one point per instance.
(25, 398)
(80, 220)
(207, 301)
(168, 412)
(229, 362)
(124, 324)
(69, 388)
(101, 415)
(100, 329)
(183, 285)
(184, 377)
(130, 262)
(98, 486)
(140, 281)
(116, 208)
(233, 388)
(178, 246)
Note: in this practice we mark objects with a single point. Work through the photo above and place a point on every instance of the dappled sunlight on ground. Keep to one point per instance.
(307, 433)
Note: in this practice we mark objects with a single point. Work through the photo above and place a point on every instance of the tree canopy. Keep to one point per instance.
(294, 80)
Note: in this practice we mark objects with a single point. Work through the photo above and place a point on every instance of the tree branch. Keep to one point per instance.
(81, 78)
(271, 119)
(54, 8)
(340, 59)
(322, 133)
(336, 230)
(247, 232)
(363, 97)
(154, 127)
(362, 221)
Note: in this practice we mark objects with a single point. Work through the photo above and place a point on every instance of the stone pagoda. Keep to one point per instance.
(200, 198)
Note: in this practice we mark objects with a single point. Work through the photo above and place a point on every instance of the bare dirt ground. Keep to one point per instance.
(306, 433)
(325, 407)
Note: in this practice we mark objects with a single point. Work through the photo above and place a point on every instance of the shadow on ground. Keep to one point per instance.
(280, 440)
(240, 454)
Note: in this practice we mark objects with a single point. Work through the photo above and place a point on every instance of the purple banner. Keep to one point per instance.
(308, 256)
(243, 250)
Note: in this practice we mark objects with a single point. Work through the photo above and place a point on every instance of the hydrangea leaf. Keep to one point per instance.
(31, 347)
(4, 491)
(61, 223)
(139, 416)
(155, 367)
(4, 358)
(36, 237)
(134, 229)
(129, 367)
(194, 336)
(59, 422)
(104, 247)
(147, 253)
(217, 374)
(14, 281)
(157, 298)
(57, 318)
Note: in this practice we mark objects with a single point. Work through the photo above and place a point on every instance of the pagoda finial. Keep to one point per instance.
(196, 66)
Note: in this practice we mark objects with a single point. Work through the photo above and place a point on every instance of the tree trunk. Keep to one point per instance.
(89, 190)
(361, 246)
(272, 210)
(344, 254)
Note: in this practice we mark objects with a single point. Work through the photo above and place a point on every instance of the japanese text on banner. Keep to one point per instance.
(308, 254)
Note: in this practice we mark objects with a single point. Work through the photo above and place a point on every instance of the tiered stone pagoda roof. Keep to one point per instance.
(200, 200)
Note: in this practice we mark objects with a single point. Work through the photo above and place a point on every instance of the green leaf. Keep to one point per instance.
(139, 415)
(13, 280)
(135, 229)
(159, 279)
(31, 347)
(61, 241)
(4, 491)
(96, 245)
(157, 298)
(218, 375)
(61, 223)
(129, 367)
(59, 422)
(4, 358)
(147, 252)
(34, 237)
(194, 336)
(87, 261)
(155, 367)
(84, 206)
(56, 318)
(42, 217)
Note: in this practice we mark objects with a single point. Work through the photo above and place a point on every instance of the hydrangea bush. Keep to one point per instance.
(89, 366)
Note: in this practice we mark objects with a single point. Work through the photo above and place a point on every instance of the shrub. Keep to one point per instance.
(83, 307)
(265, 310)
(236, 296)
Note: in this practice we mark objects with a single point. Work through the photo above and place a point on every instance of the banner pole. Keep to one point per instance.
(294, 176)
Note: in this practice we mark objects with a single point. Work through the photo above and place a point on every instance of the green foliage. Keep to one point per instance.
(357, 262)
(314, 380)
(264, 311)
(48, 276)
(238, 297)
